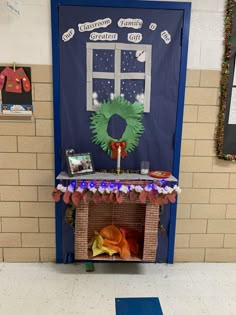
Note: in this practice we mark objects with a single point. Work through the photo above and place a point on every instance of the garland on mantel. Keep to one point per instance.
(224, 83)
(85, 192)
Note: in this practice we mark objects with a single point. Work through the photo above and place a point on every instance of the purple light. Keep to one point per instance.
(83, 184)
(163, 182)
(103, 185)
(111, 185)
(73, 183)
(92, 184)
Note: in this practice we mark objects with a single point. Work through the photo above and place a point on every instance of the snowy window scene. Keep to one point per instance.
(133, 61)
(104, 88)
(103, 60)
(115, 69)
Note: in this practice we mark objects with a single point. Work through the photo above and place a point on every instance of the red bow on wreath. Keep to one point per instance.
(114, 148)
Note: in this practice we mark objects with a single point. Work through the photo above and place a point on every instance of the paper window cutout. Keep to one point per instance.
(97, 72)
(130, 61)
(133, 90)
(103, 88)
(103, 60)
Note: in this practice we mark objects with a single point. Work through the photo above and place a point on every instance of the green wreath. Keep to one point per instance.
(132, 113)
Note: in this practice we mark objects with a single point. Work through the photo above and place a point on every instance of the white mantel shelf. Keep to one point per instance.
(112, 176)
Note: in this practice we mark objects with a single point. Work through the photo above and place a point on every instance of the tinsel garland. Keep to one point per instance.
(84, 192)
(224, 83)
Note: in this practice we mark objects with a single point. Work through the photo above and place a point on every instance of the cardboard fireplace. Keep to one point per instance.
(140, 217)
(116, 218)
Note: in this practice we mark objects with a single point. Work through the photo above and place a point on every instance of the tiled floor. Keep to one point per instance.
(183, 289)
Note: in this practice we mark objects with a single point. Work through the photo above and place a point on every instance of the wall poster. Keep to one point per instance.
(16, 90)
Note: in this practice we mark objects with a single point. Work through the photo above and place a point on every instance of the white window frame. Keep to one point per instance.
(117, 75)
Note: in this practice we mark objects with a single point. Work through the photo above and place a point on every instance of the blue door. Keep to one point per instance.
(136, 50)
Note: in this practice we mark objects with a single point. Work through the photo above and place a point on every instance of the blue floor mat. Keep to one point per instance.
(138, 306)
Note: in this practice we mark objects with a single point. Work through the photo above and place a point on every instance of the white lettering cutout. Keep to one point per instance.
(105, 36)
(135, 37)
(68, 35)
(90, 26)
(130, 23)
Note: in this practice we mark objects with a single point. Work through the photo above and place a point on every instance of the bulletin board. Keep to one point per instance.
(125, 52)
(225, 136)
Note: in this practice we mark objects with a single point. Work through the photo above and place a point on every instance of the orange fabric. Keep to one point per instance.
(115, 239)
(134, 239)
(111, 233)
(124, 247)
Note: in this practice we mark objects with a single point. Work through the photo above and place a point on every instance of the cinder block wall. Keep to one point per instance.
(27, 216)
(206, 224)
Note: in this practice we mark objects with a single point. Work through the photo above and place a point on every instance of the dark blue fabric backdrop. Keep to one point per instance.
(156, 143)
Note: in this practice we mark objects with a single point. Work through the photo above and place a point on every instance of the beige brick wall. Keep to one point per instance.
(27, 215)
(206, 214)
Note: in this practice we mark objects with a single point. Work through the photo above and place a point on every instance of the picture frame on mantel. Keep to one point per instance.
(79, 164)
